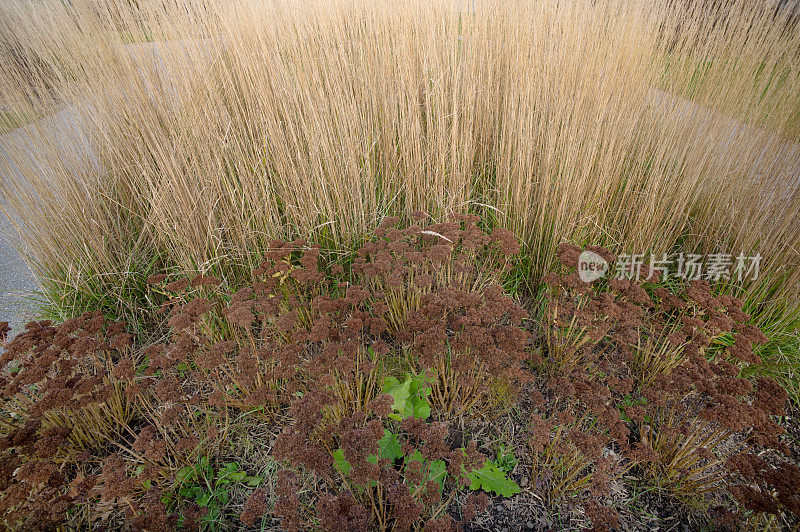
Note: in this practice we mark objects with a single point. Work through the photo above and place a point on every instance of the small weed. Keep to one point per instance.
(210, 487)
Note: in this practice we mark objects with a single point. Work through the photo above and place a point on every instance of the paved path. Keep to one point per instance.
(17, 285)
(19, 290)
(780, 157)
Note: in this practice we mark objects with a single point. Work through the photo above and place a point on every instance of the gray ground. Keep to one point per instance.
(17, 286)
(19, 290)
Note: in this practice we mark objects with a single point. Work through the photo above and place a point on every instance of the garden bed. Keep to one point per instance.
(404, 389)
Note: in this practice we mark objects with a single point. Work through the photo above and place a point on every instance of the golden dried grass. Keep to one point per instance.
(215, 127)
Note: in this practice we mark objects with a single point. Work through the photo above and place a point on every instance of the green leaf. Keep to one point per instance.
(390, 446)
(420, 385)
(410, 397)
(230, 473)
(416, 456)
(435, 470)
(400, 392)
(185, 474)
(341, 464)
(492, 478)
(420, 391)
(420, 408)
(253, 481)
(203, 499)
(238, 476)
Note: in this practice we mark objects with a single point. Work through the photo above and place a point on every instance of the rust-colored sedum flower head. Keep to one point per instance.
(619, 378)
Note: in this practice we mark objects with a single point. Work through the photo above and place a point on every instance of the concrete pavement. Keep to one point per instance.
(20, 292)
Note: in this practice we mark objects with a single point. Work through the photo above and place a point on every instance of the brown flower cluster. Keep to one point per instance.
(60, 397)
(764, 487)
(631, 379)
(304, 339)
(658, 371)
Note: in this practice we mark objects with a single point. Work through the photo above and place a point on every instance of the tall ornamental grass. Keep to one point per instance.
(197, 131)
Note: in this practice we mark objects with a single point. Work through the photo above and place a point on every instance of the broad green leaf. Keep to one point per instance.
(420, 391)
(435, 470)
(420, 408)
(185, 474)
(400, 392)
(416, 456)
(341, 464)
(203, 499)
(390, 446)
(492, 478)
(238, 476)
(413, 385)
(410, 397)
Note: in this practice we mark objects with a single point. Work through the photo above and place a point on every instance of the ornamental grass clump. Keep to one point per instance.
(196, 133)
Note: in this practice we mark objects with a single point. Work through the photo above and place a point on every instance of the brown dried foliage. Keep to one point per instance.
(632, 378)
(659, 374)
